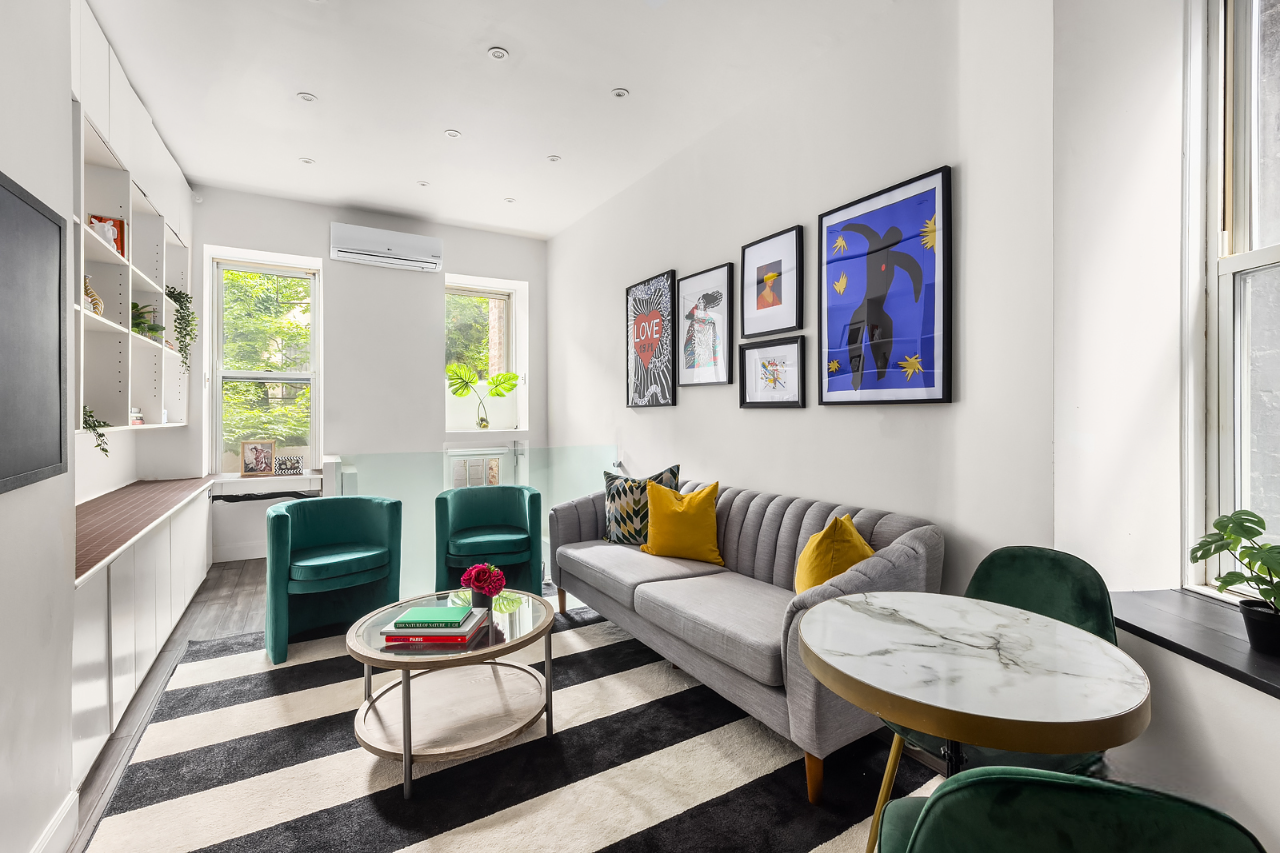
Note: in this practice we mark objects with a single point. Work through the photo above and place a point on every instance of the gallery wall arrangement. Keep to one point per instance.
(884, 311)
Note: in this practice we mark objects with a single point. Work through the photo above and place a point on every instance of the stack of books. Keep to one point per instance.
(436, 626)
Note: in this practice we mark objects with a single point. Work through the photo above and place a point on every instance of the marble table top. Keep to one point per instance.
(949, 664)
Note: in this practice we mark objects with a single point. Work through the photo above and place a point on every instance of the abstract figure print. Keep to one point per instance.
(881, 273)
(702, 346)
(650, 362)
(768, 286)
(773, 374)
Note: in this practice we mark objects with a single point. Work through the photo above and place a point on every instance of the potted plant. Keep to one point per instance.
(1238, 535)
(142, 321)
(463, 380)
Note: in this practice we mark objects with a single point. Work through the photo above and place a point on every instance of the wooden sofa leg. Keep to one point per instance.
(560, 595)
(813, 775)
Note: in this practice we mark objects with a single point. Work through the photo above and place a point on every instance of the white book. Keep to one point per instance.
(465, 629)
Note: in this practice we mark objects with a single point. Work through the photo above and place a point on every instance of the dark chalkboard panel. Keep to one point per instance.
(33, 352)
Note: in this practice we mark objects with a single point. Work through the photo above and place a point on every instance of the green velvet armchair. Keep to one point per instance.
(1054, 584)
(329, 562)
(501, 525)
(1014, 809)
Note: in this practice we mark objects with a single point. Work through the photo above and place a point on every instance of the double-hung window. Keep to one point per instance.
(264, 379)
(480, 337)
(1243, 281)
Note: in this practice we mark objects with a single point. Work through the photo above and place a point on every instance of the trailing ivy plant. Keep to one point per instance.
(94, 427)
(143, 322)
(1238, 534)
(463, 380)
(184, 325)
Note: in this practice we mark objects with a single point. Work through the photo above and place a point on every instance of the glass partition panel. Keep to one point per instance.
(559, 474)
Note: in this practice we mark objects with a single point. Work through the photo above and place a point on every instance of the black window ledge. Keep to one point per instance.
(1198, 628)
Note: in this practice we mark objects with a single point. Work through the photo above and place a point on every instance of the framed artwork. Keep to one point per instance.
(288, 466)
(704, 305)
(772, 287)
(257, 458)
(884, 296)
(651, 342)
(111, 230)
(772, 374)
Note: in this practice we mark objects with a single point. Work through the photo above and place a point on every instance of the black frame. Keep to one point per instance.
(730, 285)
(798, 340)
(669, 332)
(944, 207)
(26, 478)
(742, 284)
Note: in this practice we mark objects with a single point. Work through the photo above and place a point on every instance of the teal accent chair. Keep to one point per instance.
(1015, 810)
(329, 562)
(1051, 583)
(501, 525)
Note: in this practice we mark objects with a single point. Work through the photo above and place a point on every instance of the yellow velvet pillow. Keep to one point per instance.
(830, 553)
(683, 525)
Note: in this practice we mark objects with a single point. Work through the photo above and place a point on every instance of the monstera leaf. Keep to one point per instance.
(1241, 524)
(1237, 534)
(462, 379)
(502, 384)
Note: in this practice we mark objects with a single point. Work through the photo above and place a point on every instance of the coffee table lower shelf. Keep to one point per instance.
(454, 713)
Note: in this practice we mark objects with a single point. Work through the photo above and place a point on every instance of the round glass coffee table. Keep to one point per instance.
(452, 702)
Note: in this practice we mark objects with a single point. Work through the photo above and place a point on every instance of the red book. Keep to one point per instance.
(436, 639)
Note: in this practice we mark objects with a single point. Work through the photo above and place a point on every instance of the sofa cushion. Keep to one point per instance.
(616, 570)
(489, 539)
(736, 619)
(331, 561)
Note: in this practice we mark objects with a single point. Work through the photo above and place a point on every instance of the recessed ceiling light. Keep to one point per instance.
(453, 134)
(554, 158)
(620, 93)
(498, 53)
(424, 183)
(510, 201)
(198, 199)
(306, 161)
(307, 96)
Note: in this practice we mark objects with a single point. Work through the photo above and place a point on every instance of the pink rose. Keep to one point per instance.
(485, 579)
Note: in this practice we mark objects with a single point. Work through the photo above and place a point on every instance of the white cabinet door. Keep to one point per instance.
(122, 107)
(121, 594)
(191, 537)
(156, 547)
(95, 72)
(144, 609)
(90, 673)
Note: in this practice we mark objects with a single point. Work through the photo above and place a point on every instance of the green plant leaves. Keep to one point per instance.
(1241, 524)
(1211, 545)
(502, 384)
(462, 379)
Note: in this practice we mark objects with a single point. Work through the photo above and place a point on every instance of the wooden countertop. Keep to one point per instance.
(106, 523)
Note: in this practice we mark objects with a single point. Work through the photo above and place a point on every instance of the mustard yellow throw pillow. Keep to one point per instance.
(830, 553)
(683, 525)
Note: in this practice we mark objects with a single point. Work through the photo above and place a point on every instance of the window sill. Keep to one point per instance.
(234, 484)
(1200, 628)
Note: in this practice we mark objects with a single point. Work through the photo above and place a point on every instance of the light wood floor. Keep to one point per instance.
(232, 600)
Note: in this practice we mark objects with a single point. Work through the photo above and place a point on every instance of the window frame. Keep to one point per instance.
(270, 264)
(1230, 138)
(509, 332)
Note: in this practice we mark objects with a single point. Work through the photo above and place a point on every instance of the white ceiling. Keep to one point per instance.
(220, 80)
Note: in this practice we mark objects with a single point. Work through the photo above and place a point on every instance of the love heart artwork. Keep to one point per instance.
(646, 332)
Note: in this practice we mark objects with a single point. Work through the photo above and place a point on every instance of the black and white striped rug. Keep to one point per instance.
(244, 756)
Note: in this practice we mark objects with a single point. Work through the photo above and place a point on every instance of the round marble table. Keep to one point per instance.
(975, 672)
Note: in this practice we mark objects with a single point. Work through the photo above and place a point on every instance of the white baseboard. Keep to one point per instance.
(239, 551)
(61, 831)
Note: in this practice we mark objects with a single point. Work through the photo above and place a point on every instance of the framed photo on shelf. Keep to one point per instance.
(704, 302)
(287, 466)
(884, 296)
(772, 374)
(772, 286)
(651, 342)
(257, 458)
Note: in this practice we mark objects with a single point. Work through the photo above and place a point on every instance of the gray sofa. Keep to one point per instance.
(735, 628)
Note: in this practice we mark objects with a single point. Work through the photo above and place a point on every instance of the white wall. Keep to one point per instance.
(383, 329)
(1117, 229)
(867, 119)
(37, 523)
(1210, 740)
(97, 474)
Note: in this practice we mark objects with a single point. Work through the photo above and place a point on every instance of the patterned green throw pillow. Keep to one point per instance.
(626, 505)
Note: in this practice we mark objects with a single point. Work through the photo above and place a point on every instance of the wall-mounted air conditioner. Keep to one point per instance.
(359, 245)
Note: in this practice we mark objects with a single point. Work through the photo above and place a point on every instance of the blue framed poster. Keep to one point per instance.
(884, 296)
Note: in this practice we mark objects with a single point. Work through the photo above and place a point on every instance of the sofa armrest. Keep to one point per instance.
(580, 520)
(820, 720)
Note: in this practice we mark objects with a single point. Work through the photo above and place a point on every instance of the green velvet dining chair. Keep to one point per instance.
(1054, 584)
(500, 525)
(1015, 809)
(329, 562)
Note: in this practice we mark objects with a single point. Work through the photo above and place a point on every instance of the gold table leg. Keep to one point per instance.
(886, 788)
